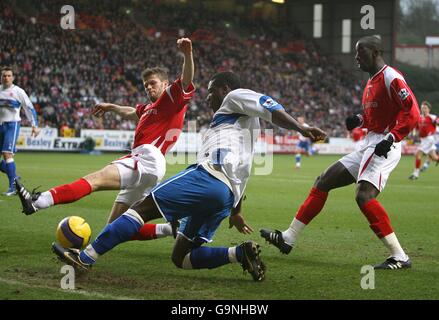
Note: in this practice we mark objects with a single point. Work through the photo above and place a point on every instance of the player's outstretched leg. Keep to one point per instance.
(32, 202)
(380, 224)
(247, 254)
(120, 230)
(105, 179)
(335, 176)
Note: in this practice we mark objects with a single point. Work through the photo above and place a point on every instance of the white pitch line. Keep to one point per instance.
(80, 292)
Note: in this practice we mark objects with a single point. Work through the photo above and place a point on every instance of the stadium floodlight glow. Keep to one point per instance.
(278, 1)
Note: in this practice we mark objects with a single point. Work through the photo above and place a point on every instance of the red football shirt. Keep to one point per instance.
(161, 122)
(427, 125)
(389, 105)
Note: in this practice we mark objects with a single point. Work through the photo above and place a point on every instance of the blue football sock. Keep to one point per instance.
(209, 258)
(10, 171)
(120, 230)
(3, 166)
(298, 158)
(86, 258)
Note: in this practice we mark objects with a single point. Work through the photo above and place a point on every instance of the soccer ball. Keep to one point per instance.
(73, 232)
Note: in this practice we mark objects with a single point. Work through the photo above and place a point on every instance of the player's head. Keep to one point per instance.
(219, 86)
(369, 50)
(155, 80)
(301, 120)
(7, 76)
(425, 108)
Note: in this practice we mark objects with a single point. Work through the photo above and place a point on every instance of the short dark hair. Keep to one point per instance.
(162, 73)
(373, 42)
(6, 68)
(227, 78)
(428, 104)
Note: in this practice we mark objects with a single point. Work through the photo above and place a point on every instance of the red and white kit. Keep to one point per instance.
(158, 129)
(427, 129)
(389, 106)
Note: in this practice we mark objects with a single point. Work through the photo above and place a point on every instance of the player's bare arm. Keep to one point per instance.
(237, 220)
(126, 112)
(187, 75)
(284, 120)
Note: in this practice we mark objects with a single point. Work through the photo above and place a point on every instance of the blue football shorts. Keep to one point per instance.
(196, 198)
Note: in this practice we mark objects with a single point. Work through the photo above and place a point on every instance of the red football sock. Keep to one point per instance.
(147, 232)
(70, 192)
(312, 205)
(418, 163)
(378, 219)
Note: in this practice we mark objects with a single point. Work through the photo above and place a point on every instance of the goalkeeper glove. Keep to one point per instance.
(353, 121)
(383, 147)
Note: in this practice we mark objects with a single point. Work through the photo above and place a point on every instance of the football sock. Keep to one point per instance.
(71, 192)
(10, 171)
(120, 230)
(44, 200)
(163, 230)
(417, 163)
(391, 242)
(298, 159)
(426, 164)
(290, 235)
(378, 219)
(88, 255)
(3, 166)
(312, 205)
(151, 231)
(214, 257)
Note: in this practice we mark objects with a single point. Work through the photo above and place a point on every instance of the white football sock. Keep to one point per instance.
(45, 200)
(391, 242)
(187, 265)
(91, 252)
(416, 172)
(290, 235)
(232, 255)
(163, 230)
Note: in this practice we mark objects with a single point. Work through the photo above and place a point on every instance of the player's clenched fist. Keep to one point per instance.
(185, 45)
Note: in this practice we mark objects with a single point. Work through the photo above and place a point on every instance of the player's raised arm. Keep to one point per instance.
(282, 119)
(126, 112)
(187, 75)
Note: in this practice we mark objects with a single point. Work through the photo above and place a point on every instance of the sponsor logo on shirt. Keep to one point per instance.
(403, 94)
(268, 103)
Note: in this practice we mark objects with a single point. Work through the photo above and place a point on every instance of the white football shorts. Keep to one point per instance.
(139, 172)
(427, 144)
(364, 165)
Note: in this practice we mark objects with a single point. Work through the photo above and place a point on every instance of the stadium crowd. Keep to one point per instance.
(66, 72)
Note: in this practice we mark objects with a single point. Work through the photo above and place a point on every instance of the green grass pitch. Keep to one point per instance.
(325, 264)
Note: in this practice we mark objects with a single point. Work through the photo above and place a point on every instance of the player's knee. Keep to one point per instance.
(177, 259)
(362, 197)
(322, 182)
